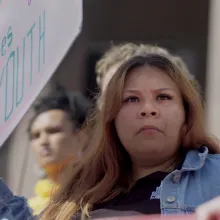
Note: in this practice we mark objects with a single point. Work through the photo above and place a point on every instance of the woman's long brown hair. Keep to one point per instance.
(105, 169)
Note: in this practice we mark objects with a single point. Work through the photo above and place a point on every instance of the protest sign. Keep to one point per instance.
(35, 35)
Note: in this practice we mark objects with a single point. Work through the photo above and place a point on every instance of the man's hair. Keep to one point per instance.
(74, 104)
(122, 52)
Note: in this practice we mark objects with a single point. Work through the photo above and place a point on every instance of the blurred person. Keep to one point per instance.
(148, 152)
(117, 54)
(55, 138)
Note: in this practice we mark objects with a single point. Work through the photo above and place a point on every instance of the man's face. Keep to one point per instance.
(52, 138)
(108, 75)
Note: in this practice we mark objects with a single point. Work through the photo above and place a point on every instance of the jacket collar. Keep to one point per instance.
(195, 159)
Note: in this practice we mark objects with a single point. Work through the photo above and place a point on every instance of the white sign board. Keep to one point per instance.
(35, 35)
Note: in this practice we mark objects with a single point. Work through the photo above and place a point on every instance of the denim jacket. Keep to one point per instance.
(195, 183)
(13, 207)
(180, 192)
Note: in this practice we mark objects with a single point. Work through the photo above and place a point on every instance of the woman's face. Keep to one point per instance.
(151, 116)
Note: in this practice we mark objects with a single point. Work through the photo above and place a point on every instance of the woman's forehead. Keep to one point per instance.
(148, 77)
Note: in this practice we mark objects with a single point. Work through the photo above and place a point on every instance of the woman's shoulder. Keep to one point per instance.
(210, 165)
(202, 159)
(202, 169)
(212, 158)
(213, 162)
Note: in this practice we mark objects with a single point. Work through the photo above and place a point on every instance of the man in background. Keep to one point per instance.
(55, 138)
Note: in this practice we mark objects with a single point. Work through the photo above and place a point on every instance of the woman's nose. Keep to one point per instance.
(148, 110)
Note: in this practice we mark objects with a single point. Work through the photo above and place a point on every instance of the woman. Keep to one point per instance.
(148, 152)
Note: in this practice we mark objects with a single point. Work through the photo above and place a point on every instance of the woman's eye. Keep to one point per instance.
(164, 97)
(131, 99)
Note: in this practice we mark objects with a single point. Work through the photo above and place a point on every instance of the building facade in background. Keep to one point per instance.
(181, 26)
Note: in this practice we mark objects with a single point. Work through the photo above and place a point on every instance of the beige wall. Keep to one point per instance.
(213, 71)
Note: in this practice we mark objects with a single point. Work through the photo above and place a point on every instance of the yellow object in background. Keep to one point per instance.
(44, 189)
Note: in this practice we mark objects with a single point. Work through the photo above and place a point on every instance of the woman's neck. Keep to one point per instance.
(141, 170)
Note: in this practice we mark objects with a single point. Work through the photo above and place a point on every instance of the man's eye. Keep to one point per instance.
(34, 136)
(54, 130)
